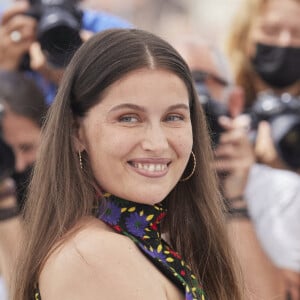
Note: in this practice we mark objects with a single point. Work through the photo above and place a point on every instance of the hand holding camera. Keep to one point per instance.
(234, 157)
(276, 123)
(58, 29)
(17, 33)
(274, 126)
(41, 35)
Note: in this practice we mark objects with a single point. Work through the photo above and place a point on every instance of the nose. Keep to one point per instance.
(155, 138)
(285, 38)
(20, 162)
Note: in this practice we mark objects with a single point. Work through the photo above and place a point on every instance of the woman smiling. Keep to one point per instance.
(123, 202)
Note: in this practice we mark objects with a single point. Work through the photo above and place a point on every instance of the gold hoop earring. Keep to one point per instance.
(80, 160)
(193, 170)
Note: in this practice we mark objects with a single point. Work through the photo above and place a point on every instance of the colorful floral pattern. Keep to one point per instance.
(141, 223)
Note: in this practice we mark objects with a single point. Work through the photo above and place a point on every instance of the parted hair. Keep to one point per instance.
(237, 45)
(20, 94)
(61, 193)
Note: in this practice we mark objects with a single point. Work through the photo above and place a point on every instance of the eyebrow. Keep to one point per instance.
(143, 109)
(179, 106)
(128, 105)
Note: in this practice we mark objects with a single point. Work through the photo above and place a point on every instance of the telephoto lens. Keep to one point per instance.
(58, 29)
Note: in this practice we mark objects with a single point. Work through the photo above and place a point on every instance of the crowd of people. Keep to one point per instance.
(136, 168)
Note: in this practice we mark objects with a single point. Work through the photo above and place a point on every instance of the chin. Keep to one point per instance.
(143, 193)
(150, 198)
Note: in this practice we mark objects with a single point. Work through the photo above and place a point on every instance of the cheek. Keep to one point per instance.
(184, 143)
(108, 146)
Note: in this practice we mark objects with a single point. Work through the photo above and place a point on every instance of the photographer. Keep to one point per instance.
(264, 50)
(42, 37)
(22, 112)
(267, 244)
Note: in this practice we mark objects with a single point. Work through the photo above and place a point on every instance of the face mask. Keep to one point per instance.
(279, 67)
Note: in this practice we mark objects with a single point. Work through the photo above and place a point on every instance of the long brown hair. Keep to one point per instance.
(237, 46)
(61, 194)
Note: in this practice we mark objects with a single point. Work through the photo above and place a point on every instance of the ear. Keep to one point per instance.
(236, 101)
(78, 136)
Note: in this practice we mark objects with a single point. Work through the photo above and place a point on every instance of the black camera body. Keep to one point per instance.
(58, 30)
(213, 110)
(283, 114)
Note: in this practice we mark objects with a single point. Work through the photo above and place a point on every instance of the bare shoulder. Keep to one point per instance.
(95, 263)
(91, 242)
(93, 237)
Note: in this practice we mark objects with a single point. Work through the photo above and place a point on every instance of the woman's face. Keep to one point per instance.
(139, 137)
(278, 25)
(23, 136)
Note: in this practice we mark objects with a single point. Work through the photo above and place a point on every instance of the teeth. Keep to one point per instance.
(150, 167)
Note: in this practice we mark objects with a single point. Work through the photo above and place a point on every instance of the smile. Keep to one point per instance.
(150, 167)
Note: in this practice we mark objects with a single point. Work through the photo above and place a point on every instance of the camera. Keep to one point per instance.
(213, 109)
(58, 29)
(7, 159)
(283, 114)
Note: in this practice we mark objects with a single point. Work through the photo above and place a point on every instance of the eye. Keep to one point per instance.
(174, 118)
(128, 119)
(25, 148)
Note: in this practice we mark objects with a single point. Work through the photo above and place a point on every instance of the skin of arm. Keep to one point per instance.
(292, 282)
(264, 280)
(234, 155)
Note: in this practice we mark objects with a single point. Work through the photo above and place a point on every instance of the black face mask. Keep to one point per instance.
(22, 180)
(279, 67)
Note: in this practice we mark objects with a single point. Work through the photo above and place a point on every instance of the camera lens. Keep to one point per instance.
(58, 34)
(57, 48)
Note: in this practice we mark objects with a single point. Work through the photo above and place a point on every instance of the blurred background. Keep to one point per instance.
(171, 18)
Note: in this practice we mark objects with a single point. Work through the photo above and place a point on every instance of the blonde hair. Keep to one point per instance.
(237, 45)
